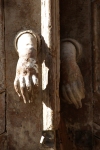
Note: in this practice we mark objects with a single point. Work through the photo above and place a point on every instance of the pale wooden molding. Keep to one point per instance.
(50, 64)
(51, 44)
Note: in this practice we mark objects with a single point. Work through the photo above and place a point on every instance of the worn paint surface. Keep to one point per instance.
(3, 141)
(96, 72)
(2, 82)
(50, 70)
(2, 52)
(50, 55)
(2, 113)
(76, 23)
(24, 121)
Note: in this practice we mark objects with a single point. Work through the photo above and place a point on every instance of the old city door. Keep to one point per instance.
(22, 126)
(21, 123)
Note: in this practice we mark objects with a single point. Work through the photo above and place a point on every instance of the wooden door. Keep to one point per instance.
(76, 23)
(96, 72)
(21, 125)
(2, 81)
(23, 122)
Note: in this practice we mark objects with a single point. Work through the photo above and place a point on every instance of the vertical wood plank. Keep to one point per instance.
(75, 19)
(2, 70)
(50, 63)
(24, 121)
(2, 52)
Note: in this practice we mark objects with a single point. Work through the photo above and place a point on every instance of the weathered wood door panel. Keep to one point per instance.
(75, 19)
(2, 81)
(24, 121)
(96, 71)
(22, 124)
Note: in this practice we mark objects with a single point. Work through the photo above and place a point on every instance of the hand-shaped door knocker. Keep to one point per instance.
(26, 79)
(71, 84)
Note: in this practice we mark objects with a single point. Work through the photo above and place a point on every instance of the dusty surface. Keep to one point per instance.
(2, 80)
(2, 52)
(50, 67)
(76, 23)
(26, 80)
(71, 83)
(2, 113)
(96, 71)
(24, 121)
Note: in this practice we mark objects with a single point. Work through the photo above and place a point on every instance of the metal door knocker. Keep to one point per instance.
(26, 79)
